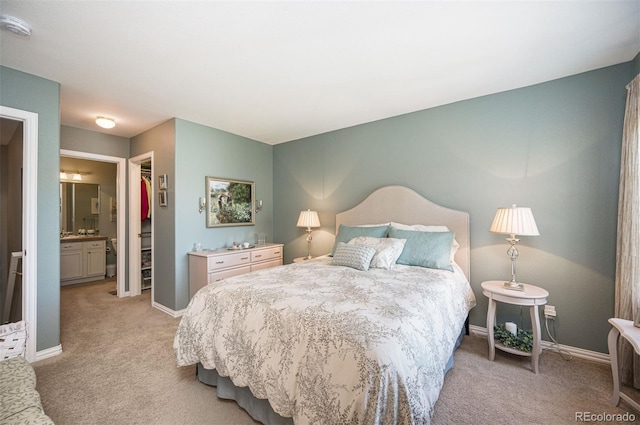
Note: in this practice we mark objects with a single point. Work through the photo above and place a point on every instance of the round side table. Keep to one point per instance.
(532, 296)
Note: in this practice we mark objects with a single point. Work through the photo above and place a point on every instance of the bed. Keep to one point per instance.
(321, 342)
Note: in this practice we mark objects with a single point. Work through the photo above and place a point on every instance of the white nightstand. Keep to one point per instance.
(631, 334)
(532, 296)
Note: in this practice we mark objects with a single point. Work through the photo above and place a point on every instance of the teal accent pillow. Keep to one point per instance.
(354, 256)
(425, 249)
(346, 233)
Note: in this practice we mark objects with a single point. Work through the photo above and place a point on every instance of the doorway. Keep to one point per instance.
(141, 229)
(118, 209)
(29, 230)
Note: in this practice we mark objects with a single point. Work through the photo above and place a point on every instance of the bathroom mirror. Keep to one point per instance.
(79, 207)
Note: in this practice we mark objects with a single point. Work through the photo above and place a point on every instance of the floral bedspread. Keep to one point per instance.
(329, 344)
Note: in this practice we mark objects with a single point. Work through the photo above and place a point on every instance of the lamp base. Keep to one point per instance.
(514, 286)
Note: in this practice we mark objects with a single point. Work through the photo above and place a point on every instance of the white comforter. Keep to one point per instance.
(329, 344)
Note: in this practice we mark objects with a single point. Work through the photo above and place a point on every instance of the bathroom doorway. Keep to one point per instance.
(111, 207)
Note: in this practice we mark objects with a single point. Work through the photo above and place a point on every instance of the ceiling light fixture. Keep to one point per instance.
(15, 25)
(105, 122)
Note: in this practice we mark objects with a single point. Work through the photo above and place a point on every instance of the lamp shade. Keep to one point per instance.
(308, 219)
(514, 221)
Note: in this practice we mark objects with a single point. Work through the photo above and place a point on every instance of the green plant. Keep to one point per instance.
(523, 341)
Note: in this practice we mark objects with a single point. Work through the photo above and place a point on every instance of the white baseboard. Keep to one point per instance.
(168, 311)
(575, 351)
(49, 352)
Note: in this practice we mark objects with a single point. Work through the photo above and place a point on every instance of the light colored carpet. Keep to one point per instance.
(117, 367)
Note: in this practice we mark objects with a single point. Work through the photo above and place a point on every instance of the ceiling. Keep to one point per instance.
(280, 71)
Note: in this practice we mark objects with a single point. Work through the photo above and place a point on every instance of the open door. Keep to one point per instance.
(141, 229)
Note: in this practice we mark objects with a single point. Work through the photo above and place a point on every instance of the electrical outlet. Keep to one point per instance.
(550, 312)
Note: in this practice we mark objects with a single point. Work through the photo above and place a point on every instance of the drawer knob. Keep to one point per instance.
(258, 255)
(244, 258)
(219, 262)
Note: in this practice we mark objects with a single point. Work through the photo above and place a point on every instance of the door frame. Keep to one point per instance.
(121, 188)
(135, 240)
(29, 222)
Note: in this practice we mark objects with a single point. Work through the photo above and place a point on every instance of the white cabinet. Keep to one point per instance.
(96, 258)
(82, 261)
(210, 266)
(71, 260)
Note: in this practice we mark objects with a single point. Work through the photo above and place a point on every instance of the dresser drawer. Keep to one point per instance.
(266, 264)
(266, 254)
(71, 246)
(216, 276)
(230, 260)
(96, 244)
(213, 265)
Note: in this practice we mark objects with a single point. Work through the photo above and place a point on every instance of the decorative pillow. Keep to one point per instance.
(387, 250)
(354, 256)
(425, 249)
(346, 233)
(426, 228)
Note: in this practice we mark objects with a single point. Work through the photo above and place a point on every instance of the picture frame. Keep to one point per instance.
(163, 182)
(163, 200)
(229, 202)
(636, 321)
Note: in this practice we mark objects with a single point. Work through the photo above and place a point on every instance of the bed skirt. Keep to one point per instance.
(260, 409)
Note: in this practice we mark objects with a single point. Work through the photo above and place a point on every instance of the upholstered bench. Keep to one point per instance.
(19, 400)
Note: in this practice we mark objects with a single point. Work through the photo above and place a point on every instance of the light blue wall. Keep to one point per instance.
(34, 94)
(203, 151)
(554, 147)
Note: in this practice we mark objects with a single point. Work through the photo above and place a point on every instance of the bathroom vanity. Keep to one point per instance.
(82, 259)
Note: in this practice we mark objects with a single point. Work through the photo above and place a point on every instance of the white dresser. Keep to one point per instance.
(210, 266)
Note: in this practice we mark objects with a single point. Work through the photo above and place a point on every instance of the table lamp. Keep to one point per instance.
(308, 219)
(514, 221)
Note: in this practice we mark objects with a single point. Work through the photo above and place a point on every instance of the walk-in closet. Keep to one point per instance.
(146, 198)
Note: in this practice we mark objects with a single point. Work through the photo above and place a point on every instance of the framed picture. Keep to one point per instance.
(636, 322)
(163, 183)
(163, 198)
(229, 202)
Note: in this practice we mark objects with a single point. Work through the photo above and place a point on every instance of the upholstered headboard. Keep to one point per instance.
(403, 205)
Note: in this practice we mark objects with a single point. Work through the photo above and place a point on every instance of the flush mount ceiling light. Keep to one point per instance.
(105, 122)
(15, 25)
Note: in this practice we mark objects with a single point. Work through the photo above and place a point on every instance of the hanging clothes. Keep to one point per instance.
(144, 200)
(147, 182)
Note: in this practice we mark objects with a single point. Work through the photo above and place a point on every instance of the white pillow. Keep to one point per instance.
(425, 228)
(354, 256)
(388, 250)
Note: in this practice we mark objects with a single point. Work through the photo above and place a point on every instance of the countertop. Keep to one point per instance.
(77, 238)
